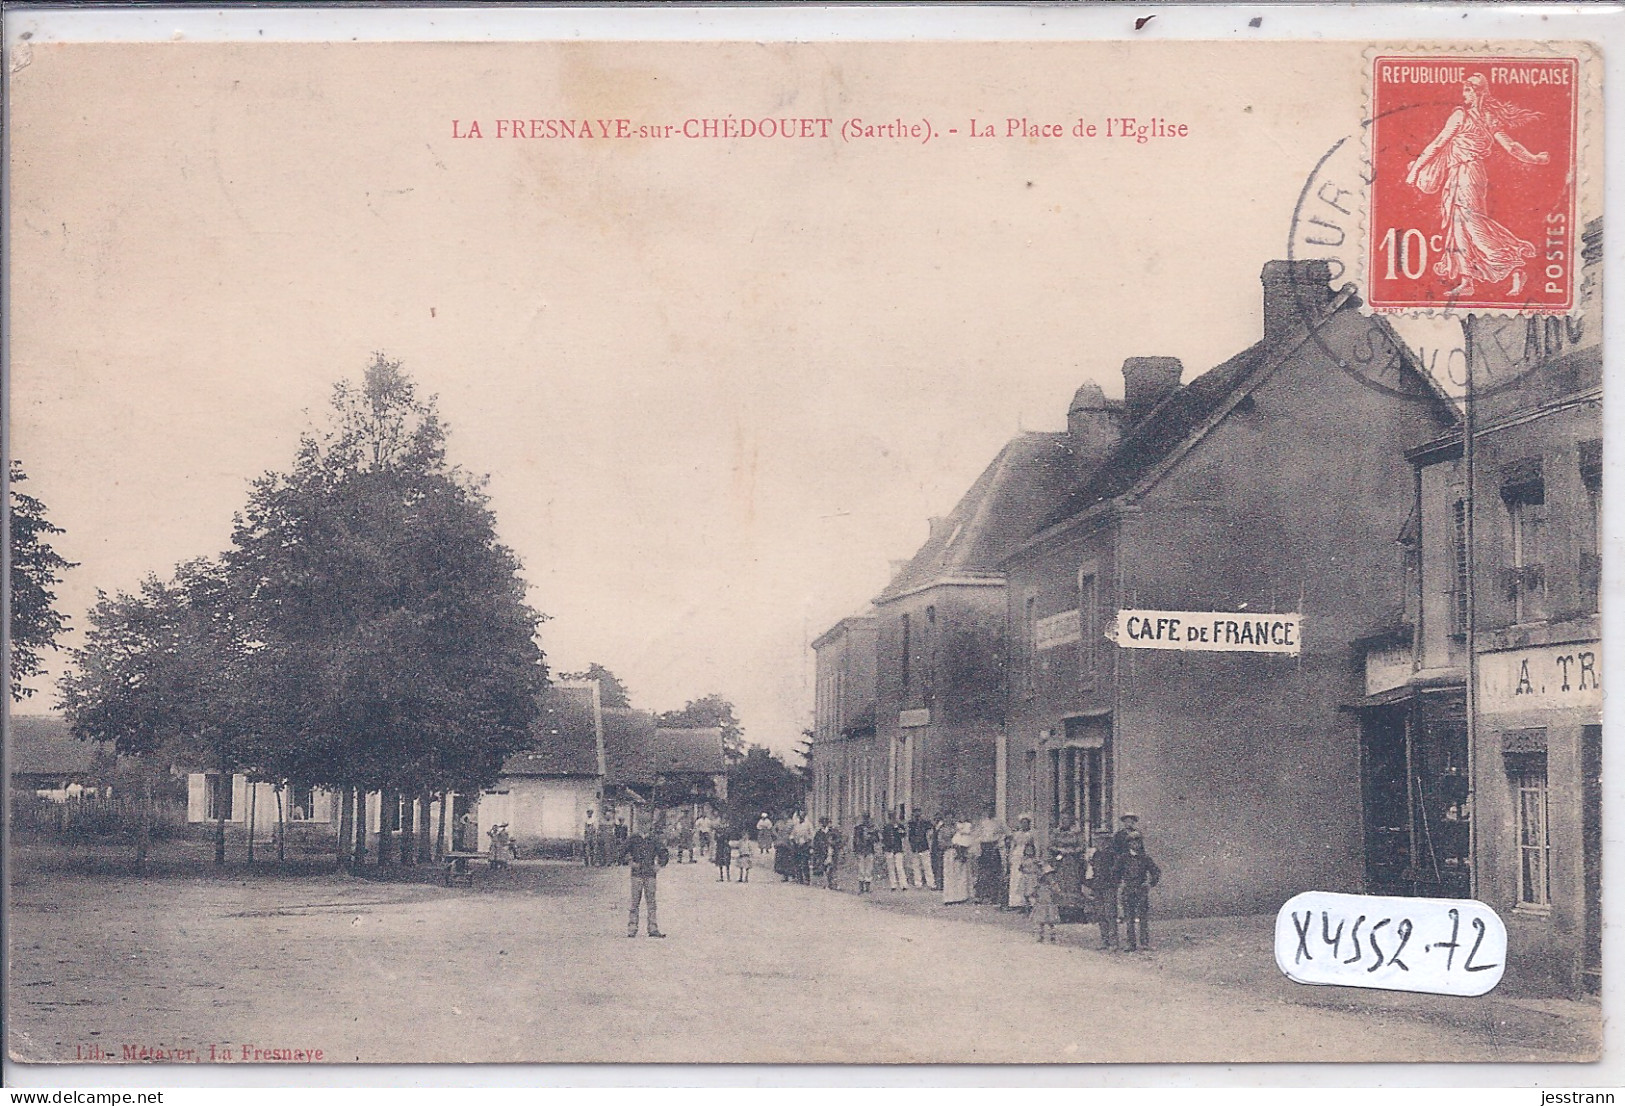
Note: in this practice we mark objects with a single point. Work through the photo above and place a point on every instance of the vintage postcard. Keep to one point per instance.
(805, 552)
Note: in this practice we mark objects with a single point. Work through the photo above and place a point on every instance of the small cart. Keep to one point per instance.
(460, 867)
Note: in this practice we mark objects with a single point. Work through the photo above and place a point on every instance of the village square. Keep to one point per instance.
(395, 857)
(640, 600)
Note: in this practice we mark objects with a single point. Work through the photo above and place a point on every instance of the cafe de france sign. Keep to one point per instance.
(1210, 631)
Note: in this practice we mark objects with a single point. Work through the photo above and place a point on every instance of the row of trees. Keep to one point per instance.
(365, 632)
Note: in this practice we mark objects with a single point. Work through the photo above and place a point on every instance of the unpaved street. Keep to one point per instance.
(534, 965)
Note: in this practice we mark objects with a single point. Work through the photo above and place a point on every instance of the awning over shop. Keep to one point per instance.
(1401, 694)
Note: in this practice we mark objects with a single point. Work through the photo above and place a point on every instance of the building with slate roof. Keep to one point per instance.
(45, 758)
(545, 792)
(1274, 483)
(939, 629)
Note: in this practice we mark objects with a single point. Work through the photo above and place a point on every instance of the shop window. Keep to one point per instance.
(1080, 791)
(219, 797)
(1527, 772)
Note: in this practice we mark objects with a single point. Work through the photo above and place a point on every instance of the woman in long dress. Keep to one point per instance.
(956, 865)
(1476, 247)
(784, 856)
(988, 872)
(1019, 840)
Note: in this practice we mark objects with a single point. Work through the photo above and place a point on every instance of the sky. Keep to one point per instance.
(717, 384)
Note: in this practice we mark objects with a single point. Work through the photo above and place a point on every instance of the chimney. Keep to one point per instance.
(1147, 381)
(1093, 424)
(1295, 294)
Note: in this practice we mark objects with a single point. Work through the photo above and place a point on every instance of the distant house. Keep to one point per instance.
(672, 769)
(311, 812)
(543, 795)
(47, 760)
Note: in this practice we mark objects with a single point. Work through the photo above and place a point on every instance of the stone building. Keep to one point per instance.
(845, 763)
(1269, 489)
(940, 632)
(1506, 809)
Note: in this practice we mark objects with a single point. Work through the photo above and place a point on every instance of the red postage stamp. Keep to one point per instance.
(1473, 183)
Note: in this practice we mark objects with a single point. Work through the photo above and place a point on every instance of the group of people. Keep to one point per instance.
(979, 861)
(604, 843)
(983, 861)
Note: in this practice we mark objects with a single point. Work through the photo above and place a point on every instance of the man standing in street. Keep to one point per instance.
(942, 831)
(891, 843)
(919, 849)
(647, 856)
(587, 833)
(1103, 880)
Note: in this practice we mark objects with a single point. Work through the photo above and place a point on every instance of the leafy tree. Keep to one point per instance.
(611, 691)
(395, 648)
(711, 711)
(36, 569)
(761, 781)
(159, 677)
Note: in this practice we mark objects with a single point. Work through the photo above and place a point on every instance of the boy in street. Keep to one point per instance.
(1138, 874)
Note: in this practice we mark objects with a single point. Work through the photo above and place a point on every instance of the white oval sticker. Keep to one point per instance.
(1438, 946)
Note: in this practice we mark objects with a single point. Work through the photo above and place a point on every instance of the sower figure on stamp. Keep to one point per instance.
(1139, 873)
(1476, 247)
(647, 856)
